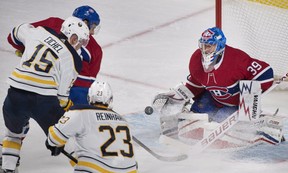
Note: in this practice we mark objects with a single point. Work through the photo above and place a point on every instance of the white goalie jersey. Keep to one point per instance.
(102, 137)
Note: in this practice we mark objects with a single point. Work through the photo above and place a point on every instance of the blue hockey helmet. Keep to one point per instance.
(212, 45)
(87, 13)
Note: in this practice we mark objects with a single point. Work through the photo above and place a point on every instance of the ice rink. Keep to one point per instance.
(146, 49)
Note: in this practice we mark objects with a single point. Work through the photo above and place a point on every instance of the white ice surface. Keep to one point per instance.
(147, 46)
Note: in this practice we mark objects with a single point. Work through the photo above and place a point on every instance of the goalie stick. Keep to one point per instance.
(160, 157)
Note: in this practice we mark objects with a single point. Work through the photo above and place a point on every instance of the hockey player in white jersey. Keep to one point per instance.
(40, 84)
(103, 141)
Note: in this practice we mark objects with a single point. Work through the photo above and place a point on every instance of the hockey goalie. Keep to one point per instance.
(220, 104)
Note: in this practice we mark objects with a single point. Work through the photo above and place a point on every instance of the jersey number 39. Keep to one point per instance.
(254, 68)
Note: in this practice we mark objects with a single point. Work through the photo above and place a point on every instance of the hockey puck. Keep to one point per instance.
(148, 110)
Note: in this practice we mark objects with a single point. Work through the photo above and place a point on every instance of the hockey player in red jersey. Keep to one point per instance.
(91, 54)
(213, 83)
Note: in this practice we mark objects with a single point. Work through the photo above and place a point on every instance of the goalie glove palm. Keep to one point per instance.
(172, 101)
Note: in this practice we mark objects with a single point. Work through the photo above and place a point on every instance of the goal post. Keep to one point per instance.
(259, 27)
(218, 13)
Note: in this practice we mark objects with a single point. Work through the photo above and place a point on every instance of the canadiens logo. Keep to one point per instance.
(220, 93)
(207, 34)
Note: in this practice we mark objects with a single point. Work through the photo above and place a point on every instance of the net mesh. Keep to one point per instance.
(260, 28)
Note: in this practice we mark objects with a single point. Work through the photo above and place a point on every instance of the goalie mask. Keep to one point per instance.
(100, 93)
(73, 25)
(212, 45)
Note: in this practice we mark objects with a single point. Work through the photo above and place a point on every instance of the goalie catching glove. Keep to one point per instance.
(172, 102)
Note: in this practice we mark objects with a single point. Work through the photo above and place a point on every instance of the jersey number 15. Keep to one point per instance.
(40, 61)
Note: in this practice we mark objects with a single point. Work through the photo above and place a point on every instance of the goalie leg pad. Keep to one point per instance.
(271, 127)
(191, 127)
(168, 125)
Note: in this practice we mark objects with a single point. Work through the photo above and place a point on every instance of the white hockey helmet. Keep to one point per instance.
(100, 93)
(74, 25)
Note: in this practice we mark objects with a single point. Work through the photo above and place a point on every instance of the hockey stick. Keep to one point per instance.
(160, 157)
(157, 156)
(69, 156)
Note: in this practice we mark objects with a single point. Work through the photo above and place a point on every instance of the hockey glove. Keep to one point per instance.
(172, 102)
(55, 151)
(69, 104)
(66, 104)
(18, 53)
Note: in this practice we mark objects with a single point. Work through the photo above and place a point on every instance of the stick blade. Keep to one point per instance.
(161, 157)
(172, 158)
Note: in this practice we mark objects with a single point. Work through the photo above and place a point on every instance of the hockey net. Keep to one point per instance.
(260, 28)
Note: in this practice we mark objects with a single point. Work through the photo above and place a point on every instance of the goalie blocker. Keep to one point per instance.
(268, 126)
(250, 100)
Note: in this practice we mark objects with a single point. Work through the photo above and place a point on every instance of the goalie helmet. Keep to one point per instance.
(100, 93)
(87, 13)
(73, 25)
(212, 45)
